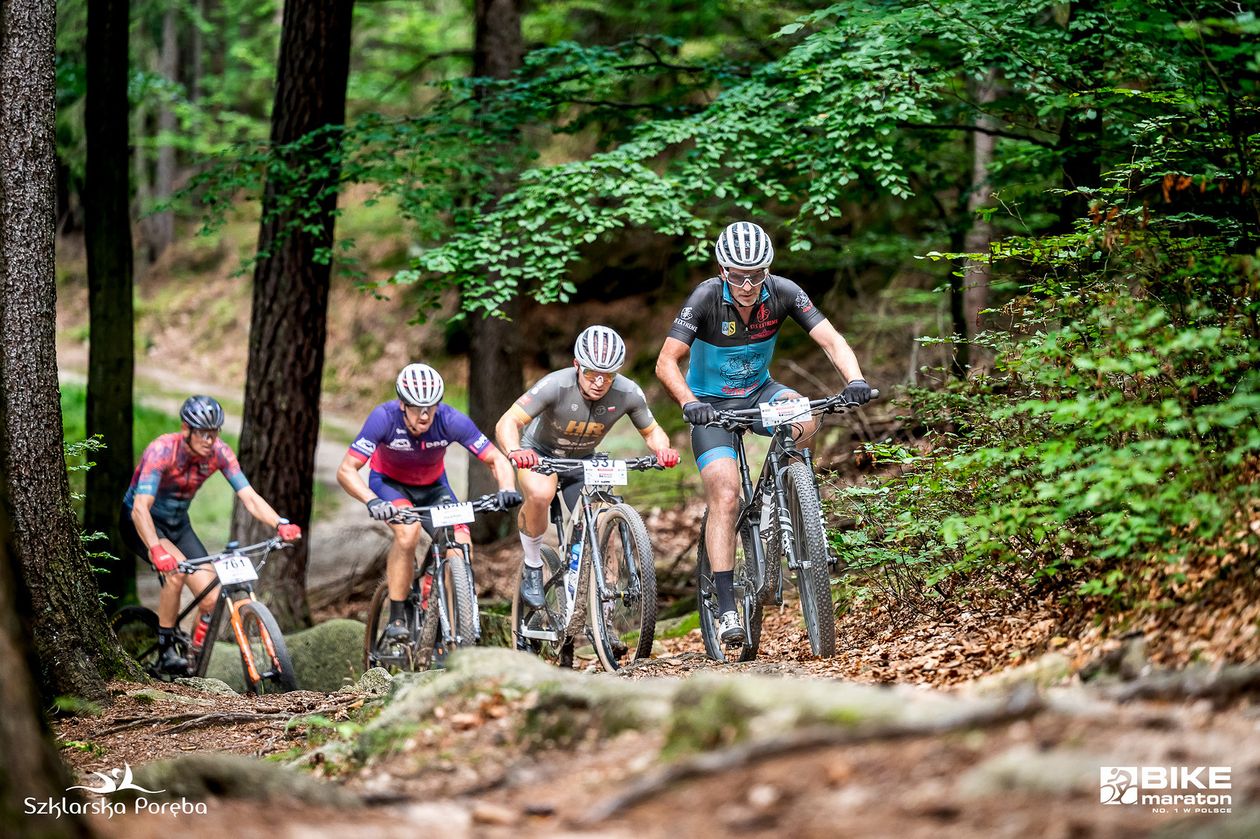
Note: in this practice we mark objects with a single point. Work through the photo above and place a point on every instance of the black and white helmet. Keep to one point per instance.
(202, 412)
(600, 348)
(745, 246)
(419, 385)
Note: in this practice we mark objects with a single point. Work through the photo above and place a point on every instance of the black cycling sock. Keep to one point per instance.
(166, 636)
(725, 583)
(397, 610)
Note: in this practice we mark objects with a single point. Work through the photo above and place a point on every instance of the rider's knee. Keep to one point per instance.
(407, 538)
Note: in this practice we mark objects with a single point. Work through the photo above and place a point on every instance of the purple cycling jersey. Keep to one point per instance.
(416, 461)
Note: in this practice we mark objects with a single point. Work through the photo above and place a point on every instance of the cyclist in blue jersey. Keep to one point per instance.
(154, 517)
(729, 325)
(405, 441)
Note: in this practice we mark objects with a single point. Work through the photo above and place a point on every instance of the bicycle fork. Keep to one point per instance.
(247, 652)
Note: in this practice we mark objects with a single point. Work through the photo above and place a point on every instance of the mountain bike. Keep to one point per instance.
(780, 518)
(441, 607)
(613, 601)
(264, 657)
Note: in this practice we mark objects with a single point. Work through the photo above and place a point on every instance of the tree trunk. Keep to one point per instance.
(289, 320)
(495, 370)
(111, 352)
(72, 639)
(976, 272)
(30, 768)
(164, 176)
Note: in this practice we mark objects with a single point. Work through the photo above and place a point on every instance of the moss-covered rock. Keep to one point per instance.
(216, 686)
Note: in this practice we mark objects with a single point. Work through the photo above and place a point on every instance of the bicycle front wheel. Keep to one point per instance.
(264, 656)
(812, 573)
(461, 602)
(624, 620)
(747, 604)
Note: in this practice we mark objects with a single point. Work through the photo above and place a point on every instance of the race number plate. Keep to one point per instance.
(605, 472)
(777, 413)
(450, 514)
(235, 569)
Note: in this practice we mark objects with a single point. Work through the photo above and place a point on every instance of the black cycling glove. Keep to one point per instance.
(508, 498)
(699, 413)
(381, 510)
(857, 392)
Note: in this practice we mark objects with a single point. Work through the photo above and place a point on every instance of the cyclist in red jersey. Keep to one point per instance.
(154, 517)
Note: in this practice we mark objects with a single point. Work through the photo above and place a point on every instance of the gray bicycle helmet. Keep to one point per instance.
(600, 348)
(203, 412)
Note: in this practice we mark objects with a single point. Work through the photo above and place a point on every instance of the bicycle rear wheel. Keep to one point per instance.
(813, 573)
(265, 658)
(747, 604)
(394, 656)
(624, 624)
(137, 631)
(541, 631)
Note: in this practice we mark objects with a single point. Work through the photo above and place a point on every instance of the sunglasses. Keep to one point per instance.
(419, 411)
(593, 376)
(749, 280)
(205, 433)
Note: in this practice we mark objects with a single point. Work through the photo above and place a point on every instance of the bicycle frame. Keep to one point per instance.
(230, 595)
(593, 500)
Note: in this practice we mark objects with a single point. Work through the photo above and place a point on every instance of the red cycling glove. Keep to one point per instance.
(288, 532)
(667, 457)
(161, 559)
(523, 458)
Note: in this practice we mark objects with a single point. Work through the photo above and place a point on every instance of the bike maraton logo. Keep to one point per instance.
(1165, 789)
(118, 780)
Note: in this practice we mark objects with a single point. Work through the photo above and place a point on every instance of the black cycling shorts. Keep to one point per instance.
(413, 495)
(179, 532)
(710, 443)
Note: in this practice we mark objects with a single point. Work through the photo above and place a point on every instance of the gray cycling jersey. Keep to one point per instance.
(563, 423)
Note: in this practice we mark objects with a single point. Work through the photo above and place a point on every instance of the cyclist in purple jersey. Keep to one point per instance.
(405, 443)
(567, 414)
(154, 517)
(728, 328)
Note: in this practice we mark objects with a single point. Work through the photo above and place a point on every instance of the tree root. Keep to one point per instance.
(1219, 684)
(1022, 703)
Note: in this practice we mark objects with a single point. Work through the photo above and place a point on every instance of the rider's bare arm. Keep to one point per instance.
(143, 519)
(500, 466)
(669, 370)
(508, 429)
(655, 437)
(837, 349)
(350, 479)
(258, 507)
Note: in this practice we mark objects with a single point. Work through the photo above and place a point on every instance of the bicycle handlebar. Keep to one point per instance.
(555, 465)
(745, 417)
(412, 515)
(264, 547)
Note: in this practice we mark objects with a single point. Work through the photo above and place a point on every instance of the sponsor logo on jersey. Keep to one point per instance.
(434, 444)
(803, 302)
(763, 313)
(365, 445)
(600, 411)
(400, 445)
(685, 325)
(573, 406)
(728, 328)
(686, 313)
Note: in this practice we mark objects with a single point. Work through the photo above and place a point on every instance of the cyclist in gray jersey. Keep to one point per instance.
(566, 414)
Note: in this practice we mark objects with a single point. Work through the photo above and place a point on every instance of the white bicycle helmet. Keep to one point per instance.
(419, 385)
(600, 348)
(202, 412)
(745, 246)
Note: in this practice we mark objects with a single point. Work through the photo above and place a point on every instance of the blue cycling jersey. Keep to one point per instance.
(731, 356)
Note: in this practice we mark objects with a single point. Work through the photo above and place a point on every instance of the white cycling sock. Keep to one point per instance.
(533, 550)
